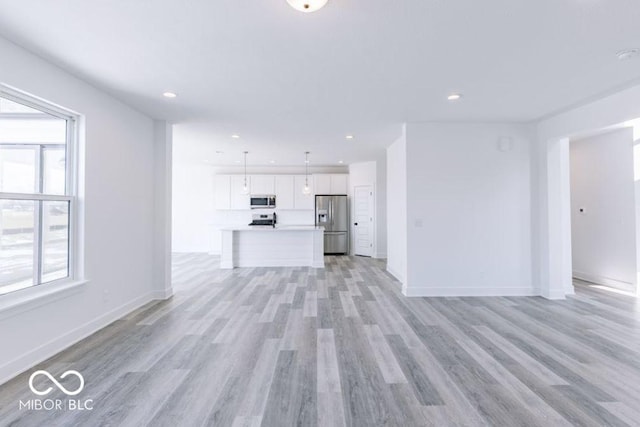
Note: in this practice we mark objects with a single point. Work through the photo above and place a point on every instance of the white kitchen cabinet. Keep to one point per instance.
(262, 184)
(284, 186)
(287, 188)
(340, 183)
(303, 201)
(322, 184)
(239, 200)
(222, 188)
(331, 183)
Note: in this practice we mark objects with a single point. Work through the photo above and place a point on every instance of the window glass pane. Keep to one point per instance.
(18, 172)
(17, 225)
(23, 127)
(7, 106)
(22, 124)
(55, 240)
(54, 170)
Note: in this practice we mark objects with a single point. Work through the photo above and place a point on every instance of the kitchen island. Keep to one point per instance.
(282, 246)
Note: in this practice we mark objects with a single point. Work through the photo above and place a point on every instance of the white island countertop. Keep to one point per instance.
(276, 228)
(279, 246)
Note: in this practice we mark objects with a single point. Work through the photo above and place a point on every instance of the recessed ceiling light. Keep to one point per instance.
(349, 137)
(307, 5)
(340, 161)
(235, 136)
(237, 161)
(272, 161)
(623, 55)
(454, 96)
(169, 95)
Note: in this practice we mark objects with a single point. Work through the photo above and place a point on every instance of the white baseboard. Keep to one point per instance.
(469, 292)
(380, 255)
(571, 290)
(45, 351)
(605, 281)
(162, 294)
(395, 274)
(556, 294)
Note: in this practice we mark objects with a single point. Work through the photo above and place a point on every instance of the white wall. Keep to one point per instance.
(381, 206)
(552, 216)
(117, 199)
(468, 208)
(397, 209)
(193, 206)
(163, 149)
(602, 184)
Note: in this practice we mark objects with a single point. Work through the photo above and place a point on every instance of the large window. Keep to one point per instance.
(36, 192)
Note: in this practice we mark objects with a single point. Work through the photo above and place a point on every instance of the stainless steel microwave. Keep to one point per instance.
(263, 201)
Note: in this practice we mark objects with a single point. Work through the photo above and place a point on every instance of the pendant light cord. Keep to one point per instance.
(245, 169)
(306, 169)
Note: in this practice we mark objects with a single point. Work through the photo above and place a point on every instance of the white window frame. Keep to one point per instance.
(71, 189)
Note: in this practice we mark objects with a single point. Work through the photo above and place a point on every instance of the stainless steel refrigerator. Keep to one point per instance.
(332, 213)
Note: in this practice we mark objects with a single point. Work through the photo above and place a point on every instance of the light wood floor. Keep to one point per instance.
(342, 346)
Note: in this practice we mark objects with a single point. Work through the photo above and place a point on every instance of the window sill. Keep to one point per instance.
(24, 300)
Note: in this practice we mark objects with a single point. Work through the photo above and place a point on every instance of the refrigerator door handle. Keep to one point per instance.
(331, 209)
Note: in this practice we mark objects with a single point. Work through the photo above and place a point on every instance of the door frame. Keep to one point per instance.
(372, 210)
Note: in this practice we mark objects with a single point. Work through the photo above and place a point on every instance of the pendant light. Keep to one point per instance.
(306, 190)
(245, 188)
(307, 5)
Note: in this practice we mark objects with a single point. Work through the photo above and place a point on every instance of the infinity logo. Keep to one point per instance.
(60, 386)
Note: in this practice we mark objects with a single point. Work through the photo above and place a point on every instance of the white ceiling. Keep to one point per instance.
(287, 82)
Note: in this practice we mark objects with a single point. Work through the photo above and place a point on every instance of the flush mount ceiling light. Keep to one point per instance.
(307, 5)
(169, 95)
(454, 96)
(349, 137)
(235, 136)
(626, 54)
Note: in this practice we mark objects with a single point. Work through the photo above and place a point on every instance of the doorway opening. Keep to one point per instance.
(604, 209)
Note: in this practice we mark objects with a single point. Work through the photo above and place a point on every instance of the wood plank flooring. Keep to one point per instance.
(341, 346)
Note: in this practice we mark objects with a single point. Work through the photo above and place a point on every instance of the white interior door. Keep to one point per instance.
(363, 220)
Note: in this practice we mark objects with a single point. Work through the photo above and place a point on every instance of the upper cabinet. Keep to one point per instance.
(331, 183)
(301, 200)
(340, 183)
(285, 185)
(263, 184)
(239, 200)
(288, 190)
(322, 184)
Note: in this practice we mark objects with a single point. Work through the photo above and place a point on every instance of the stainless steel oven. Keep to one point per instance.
(263, 201)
